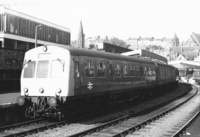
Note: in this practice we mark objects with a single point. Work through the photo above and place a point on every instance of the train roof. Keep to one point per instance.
(93, 53)
(100, 54)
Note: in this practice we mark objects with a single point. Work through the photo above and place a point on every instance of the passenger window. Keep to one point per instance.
(110, 70)
(145, 71)
(154, 72)
(137, 71)
(89, 69)
(134, 71)
(131, 70)
(29, 69)
(42, 69)
(76, 69)
(125, 70)
(118, 70)
(160, 72)
(163, 72)
(150, 71)
(57, 68)
(101, 69)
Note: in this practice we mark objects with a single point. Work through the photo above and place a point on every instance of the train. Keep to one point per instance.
(61, 80)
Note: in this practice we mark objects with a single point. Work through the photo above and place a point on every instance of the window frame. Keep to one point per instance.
(63, 65)
(103, 68)
(34, 71)
(91, 69)
(118, 70)
(125, 69)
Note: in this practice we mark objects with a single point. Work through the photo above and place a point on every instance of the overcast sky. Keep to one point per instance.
(117, 18)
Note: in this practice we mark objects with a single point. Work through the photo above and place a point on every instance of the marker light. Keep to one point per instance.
(59, 90)
(25, 90)
(20, 101)
(44, 48)
(52, 102)
(41, 90)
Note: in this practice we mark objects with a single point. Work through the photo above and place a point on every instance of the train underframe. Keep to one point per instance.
(59, 107)
(41, 107)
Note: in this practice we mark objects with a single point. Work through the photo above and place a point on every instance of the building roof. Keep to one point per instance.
(181, 57)
(195, 38)
(184, 49)
(145, 53)
(188, 52)
(182, 64)
(4, 10)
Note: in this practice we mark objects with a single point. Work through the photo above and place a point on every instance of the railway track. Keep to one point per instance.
(131, 124)
(35, 126)
(189, 128)
(28, 127)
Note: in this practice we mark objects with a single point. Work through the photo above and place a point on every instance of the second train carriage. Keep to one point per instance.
(53, 75)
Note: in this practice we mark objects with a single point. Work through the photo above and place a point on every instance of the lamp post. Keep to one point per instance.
(36, 34)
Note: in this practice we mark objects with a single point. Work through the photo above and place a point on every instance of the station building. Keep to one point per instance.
(18, 33)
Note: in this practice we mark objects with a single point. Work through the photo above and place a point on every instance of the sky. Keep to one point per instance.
(117, 18)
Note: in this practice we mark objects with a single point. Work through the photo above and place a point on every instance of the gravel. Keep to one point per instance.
(166, 124)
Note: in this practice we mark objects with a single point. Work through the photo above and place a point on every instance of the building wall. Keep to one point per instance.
(17, 35)
(16, 25)
(142, 43)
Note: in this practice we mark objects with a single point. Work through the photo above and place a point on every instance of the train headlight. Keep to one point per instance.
(52, 102)
(26, 91)
(41, 90)
(20, 101)
(58, 91)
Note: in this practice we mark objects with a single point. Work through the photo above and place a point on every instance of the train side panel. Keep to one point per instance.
(166, 74)
(94, 75)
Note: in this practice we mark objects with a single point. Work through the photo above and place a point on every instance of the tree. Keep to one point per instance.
(118, 42)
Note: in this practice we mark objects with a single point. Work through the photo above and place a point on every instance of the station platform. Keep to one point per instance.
(9, 99)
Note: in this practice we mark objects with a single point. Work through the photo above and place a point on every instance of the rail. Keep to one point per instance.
(126, 129)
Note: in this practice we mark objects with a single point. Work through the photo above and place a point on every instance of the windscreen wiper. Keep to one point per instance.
(26, 62)
(61, 63)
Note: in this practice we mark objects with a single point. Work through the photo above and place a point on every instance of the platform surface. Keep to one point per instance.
(9, 98)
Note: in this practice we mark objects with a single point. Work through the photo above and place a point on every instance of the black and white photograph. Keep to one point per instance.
(99, 68)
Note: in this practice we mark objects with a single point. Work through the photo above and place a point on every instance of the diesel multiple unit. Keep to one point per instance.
(57, 80)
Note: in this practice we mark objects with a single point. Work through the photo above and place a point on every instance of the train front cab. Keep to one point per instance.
(44, 79)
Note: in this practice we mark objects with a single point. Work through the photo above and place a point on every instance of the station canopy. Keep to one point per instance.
(184, 64)
(145, 54)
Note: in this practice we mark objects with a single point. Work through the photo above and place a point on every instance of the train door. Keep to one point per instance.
(157, 72)
(110, 72)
